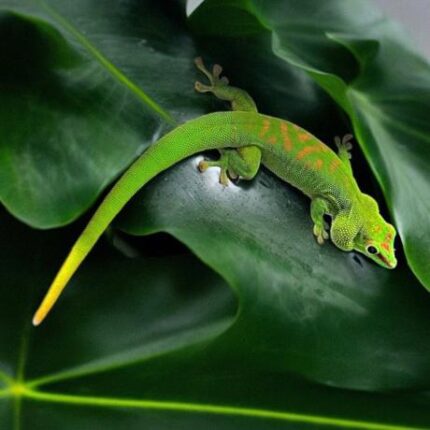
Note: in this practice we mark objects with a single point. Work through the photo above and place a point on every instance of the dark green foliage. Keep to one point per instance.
(272, 331)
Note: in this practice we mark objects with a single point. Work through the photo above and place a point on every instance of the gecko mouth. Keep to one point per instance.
(386, 262)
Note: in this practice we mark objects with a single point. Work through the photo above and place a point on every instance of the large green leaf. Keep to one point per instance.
(89, 84)
(74, 84)
(171, 352)
(258, 236)
(332, 316)
(368, 66)
(156, 355)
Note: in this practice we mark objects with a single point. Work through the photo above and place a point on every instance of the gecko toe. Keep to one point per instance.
(203, 166)
(223, 177)
(320, 234)
(202, 88)
(216, 71)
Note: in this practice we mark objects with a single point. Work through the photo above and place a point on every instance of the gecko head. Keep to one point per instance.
(376, 241)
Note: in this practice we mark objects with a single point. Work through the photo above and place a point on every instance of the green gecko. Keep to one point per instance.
(246, 139)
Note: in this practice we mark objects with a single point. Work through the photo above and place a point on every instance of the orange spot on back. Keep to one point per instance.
(334, 164)
(308, 150)
(304, 137)
(318, 164)
(288, 144)
(284, 127)
(272, 140)
(265, 128)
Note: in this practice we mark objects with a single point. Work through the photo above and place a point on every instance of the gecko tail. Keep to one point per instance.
(39, 317)
(206, 132)
(66, 271)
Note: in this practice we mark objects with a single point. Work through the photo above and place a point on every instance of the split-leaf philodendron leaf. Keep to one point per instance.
(281, 333)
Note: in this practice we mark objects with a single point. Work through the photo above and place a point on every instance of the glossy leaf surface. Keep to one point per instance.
(153, 348)
(305, 336)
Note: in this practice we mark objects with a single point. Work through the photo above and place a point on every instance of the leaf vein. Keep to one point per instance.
(212, 409)
(106, 63)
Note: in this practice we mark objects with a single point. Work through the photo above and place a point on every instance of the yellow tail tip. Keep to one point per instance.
(36, 320)
(40, 315)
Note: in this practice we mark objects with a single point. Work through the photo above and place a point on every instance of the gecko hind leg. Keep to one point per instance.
(219, 86)
(234, 163)
(344, 147)
(243, 163)
(319, 208)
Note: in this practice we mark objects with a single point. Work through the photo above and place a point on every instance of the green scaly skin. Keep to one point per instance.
(245, 140)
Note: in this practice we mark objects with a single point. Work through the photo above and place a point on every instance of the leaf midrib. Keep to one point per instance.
(201, 408)
(105, 62)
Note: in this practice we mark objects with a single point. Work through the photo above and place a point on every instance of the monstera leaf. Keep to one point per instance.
(271, 330)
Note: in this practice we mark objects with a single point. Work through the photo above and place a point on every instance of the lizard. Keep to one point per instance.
(246, 139)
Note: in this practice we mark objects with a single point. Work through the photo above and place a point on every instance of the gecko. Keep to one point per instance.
(245, 140)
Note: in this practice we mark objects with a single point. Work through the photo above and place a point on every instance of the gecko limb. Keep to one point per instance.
(243, 163)
(234, 163)
(344, 147)
(239, 99)
(319, 208)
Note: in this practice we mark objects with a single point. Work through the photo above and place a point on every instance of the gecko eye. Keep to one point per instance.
(372, 249)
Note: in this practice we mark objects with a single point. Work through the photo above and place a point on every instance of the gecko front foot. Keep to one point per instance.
(224, 164)
(344, 146)
(319, 208)
(320, 232)
(214, 77)
(223, 178)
